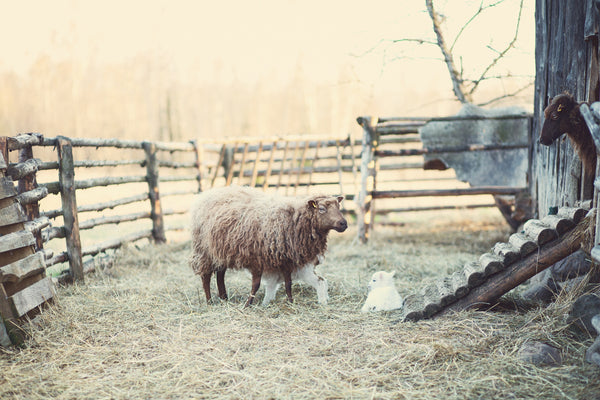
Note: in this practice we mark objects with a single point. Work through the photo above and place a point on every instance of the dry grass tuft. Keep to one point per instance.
(144, 331)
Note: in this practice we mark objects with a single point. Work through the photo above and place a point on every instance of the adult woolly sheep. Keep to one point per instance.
(241, 227)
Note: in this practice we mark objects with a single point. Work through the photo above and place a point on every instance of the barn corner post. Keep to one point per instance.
(367, 176)
(158, 226)
(66, 179)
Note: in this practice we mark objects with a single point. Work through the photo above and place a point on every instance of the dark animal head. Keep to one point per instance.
(328, 212)
(557, 118)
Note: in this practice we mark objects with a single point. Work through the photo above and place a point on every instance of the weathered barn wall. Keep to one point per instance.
(566, 60)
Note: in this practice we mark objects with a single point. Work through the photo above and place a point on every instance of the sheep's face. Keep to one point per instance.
(329, 215)
(556, 120)
(381, 279)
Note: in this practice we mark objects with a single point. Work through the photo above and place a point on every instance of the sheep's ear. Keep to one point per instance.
(312, 203)
(340, 198)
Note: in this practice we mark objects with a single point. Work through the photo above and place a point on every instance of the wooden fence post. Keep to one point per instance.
(158, 226)
(367, 176)
(66, 179)
(198, 160)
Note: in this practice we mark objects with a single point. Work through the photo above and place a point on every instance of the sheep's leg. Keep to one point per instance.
(308, 275)
(255, 285)
(271, 283)
(206, 283)
(287, 278)
(221, 284)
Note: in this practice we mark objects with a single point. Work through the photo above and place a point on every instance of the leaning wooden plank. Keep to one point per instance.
(507, 252)
(491, 263)
(16, 240)
(23, 268)
(474, 273)
(460, 286)
(574, 213)
(431, 300)
(3, 165)
(559, 224)
(499, 284)
(413, 308)
(7, 187)
(523, 243)
(12, 214)
(32, 296)
(539, 232)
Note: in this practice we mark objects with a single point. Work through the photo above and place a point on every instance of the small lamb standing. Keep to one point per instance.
(306, 274)
(383, 295)
(245, 228)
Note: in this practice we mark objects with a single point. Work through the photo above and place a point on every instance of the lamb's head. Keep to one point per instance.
(328, 213)
(558, 118)
(382, 279)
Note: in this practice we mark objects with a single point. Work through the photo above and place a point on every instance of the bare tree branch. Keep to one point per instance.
(457, 83)
(505, 96)
(500, 54)
(481, 9)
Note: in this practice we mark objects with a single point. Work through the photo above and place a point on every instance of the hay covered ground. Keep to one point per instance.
(144, 331)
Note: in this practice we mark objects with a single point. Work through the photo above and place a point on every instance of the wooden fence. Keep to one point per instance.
(74, 190)
(392, 167)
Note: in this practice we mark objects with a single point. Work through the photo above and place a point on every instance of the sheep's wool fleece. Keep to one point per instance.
(241, 227)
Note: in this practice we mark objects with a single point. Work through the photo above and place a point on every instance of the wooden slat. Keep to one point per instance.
(32, 296)
(491, 263)
(507, 252)
(16, 240)
(559, 224)
(541, 233)
(523, 243)
(12, 214)
(23, 268)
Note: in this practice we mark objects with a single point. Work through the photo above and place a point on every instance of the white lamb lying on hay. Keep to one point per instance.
(383, 295)
(306, 274)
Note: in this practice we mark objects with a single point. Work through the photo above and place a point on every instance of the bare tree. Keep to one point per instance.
(465, 87)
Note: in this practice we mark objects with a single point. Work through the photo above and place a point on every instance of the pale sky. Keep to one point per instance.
(223, 43)
(248, 37)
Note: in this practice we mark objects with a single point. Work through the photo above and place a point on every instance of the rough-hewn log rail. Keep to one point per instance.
(445, 192)
(480, 284)
(49, 165)
(101, 206)
(455, 149)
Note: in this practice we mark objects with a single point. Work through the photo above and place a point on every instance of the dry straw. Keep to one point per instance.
(143, 330)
